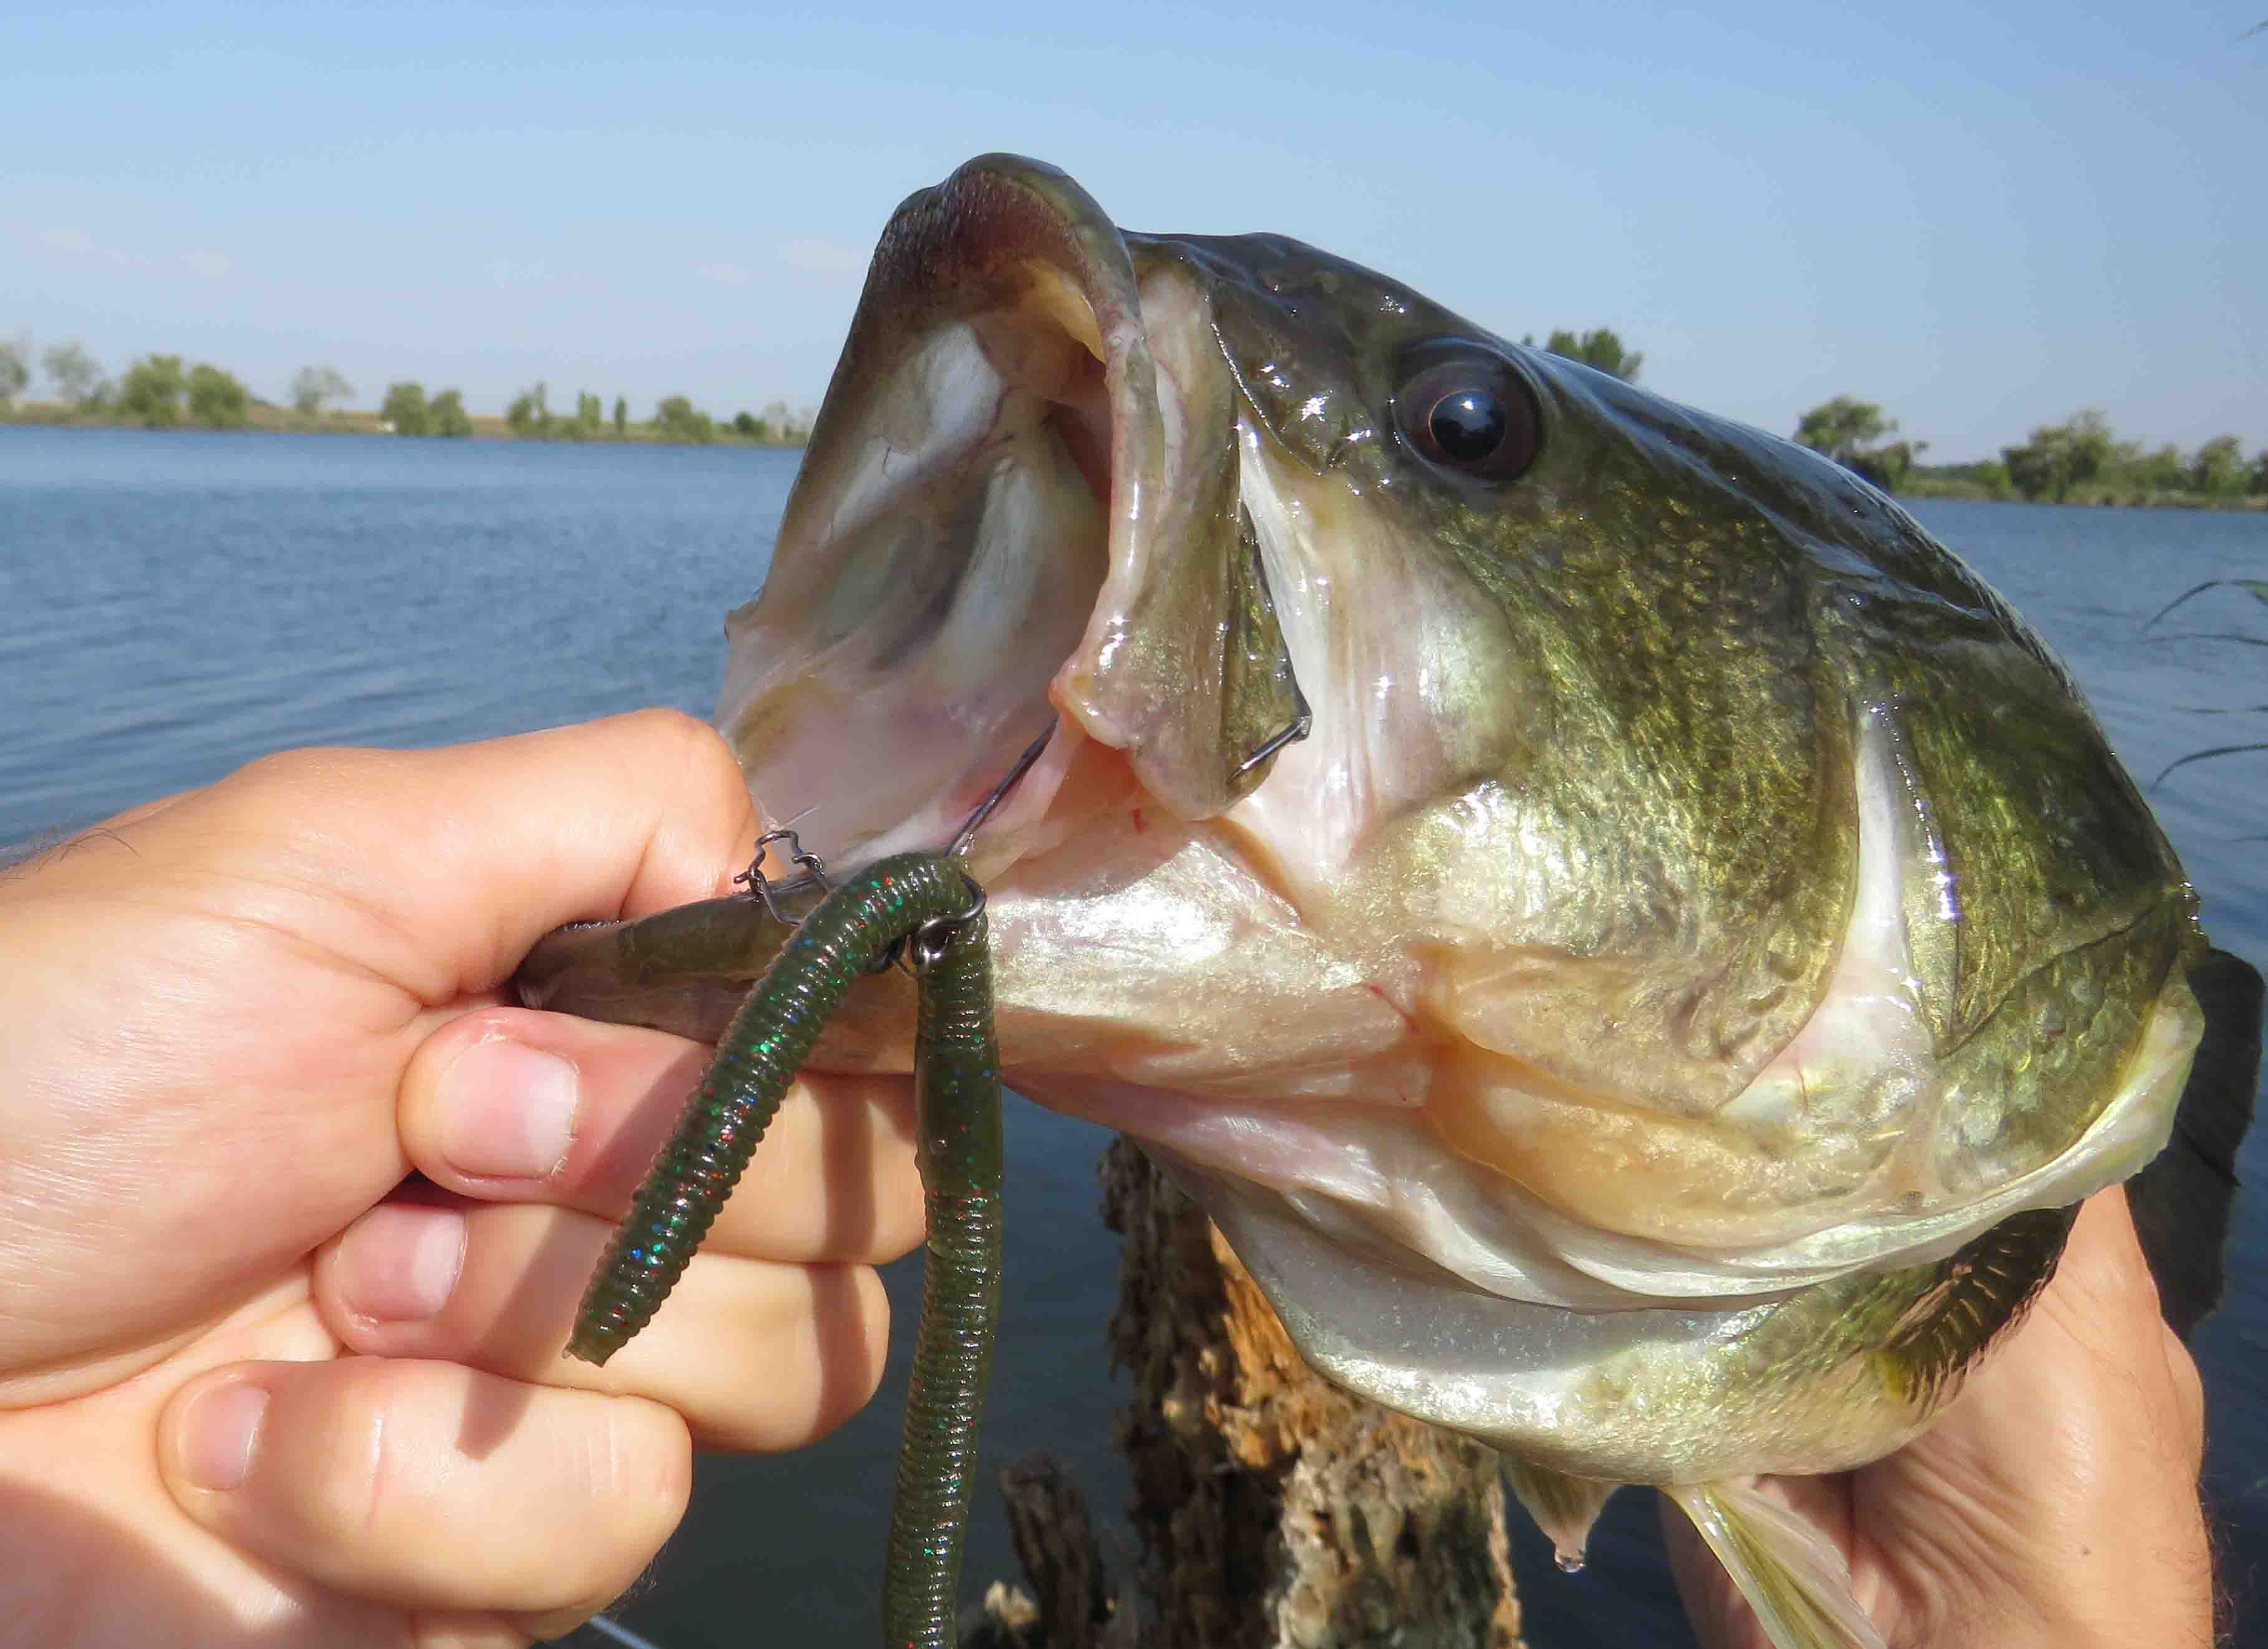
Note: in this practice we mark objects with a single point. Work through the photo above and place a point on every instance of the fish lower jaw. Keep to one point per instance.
(1361, 1144)
(1661, 1396)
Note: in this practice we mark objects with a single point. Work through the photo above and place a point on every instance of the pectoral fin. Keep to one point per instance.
(1792, 1575)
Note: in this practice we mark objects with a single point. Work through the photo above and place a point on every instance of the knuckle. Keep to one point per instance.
(652, 1455)
(295, 773)
(854, 1346)
(640, 1472)
(695, 743)
(711, 770)
(362, 1474)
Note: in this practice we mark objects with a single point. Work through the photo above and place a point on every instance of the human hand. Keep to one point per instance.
(254, 1388)
(2054, 1503)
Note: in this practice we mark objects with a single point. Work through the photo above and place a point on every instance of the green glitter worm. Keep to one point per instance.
(957, 1092)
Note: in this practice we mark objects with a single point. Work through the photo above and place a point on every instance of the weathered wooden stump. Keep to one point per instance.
(1277, 1511)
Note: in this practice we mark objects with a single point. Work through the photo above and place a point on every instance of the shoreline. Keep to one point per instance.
(264, 419)
(2092, 497)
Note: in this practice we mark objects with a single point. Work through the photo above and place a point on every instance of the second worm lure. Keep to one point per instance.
(922, 901)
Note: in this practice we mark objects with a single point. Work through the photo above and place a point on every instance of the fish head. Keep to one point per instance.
(1688, 886)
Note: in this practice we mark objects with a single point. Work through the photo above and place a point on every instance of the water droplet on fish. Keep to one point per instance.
(1569, 1562)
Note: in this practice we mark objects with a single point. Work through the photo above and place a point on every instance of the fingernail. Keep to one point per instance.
(507, 1111)
(220, 1433)
(400, 1263)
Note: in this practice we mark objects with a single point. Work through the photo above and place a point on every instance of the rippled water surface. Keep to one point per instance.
(172, 605)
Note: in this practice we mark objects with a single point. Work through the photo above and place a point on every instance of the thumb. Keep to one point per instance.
(428, 1486)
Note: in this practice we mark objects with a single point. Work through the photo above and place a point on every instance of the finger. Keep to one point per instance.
(508, 1104)
(2105, 1299)
(437, 870)
(757, 1357)
(429, 1487)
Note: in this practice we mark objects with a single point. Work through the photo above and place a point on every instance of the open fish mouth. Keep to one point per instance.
(1023, 480)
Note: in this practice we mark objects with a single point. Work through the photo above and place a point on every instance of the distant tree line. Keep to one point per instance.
(164, 392)
(407, 411)
(2083, 456)
(159, 392)
(675, 418)
(2081, 461)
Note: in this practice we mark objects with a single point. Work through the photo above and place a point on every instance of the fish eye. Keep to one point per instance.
(1472, 416)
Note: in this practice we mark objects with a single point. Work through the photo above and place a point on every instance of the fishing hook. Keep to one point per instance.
(925, 948)
(967, 834)
(1302, 722)
(1303, 718)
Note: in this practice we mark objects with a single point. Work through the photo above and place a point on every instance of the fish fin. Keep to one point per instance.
(2181, 1201)
(1792, 1575)
(1564, 1507)
(1980, 1289)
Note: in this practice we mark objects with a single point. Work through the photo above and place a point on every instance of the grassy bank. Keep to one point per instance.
(2092, 495)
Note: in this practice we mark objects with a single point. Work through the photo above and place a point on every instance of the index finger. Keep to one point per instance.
(437, 870)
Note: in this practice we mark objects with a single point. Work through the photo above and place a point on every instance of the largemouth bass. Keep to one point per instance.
(1637, 947)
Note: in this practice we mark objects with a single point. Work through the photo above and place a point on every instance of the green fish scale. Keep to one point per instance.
(767, 1043)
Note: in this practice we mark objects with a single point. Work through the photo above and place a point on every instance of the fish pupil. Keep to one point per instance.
(1467, 426)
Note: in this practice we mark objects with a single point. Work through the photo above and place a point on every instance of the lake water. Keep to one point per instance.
(172, 605)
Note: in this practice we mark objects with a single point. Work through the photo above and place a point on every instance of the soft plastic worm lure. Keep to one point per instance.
(926, 907)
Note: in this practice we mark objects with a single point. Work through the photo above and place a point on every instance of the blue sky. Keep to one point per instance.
(1984, 218)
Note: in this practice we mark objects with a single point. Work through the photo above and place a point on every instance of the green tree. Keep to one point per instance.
(1851, 431)
(15, 368)
(2256, 482)
(404, 409)
(621, 415)
(749, 426)
(2038, 466)
(314, 387)
(216, 400)
(590, 415)
(676, 419)
(2091, 445)
(2060, 456)
(1992, 475)
(2161, 471)
(2219, 468)
(444, 415)
(76, 374)
(530, 412)
(1842, 426)
(1598, 348)
(150, 391)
